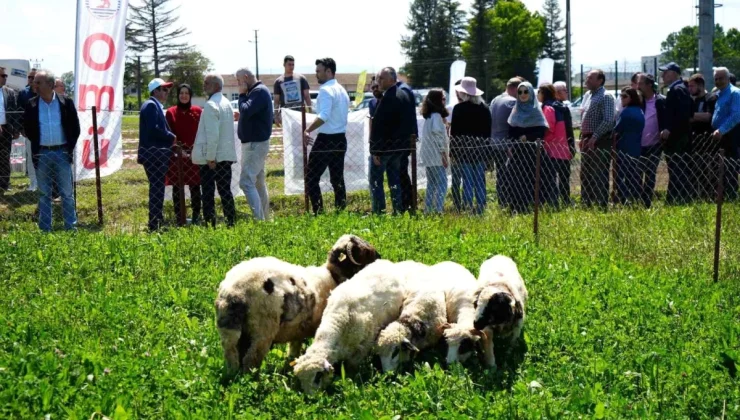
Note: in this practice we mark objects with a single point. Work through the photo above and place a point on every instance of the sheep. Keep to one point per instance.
(266, 300)
(356, 313)
(442, 305)
(500, 302)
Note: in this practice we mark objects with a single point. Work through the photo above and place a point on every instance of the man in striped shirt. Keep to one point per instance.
(596, 133)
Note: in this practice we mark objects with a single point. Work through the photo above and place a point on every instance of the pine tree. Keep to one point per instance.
(478, 47)
(149, 28)
(554, 38)
(436, 28)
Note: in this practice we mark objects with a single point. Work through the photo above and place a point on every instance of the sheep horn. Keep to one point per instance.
(348, 251)
(478, 333)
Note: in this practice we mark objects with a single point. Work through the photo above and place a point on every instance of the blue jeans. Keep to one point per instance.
(457, 176)
(474, 184)
(436, 189)
(55, 166)
(390, 165)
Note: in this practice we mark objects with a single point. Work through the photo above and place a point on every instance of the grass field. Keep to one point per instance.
(623, 320)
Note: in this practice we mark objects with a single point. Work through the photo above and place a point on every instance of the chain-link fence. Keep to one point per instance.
(150, 187)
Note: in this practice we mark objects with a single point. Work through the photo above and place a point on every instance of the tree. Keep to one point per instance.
(68, 78)
(149, 28)
(682, 47)
(436, 28)
(190, 67)
(518, 39)
(478, 46)
(554, 38)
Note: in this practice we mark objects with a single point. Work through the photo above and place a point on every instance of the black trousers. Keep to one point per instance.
(680, 188)
(595, 177)
(210, 180)
(328, 152)
(6, 142)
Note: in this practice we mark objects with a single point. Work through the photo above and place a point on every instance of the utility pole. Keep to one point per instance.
(568, 63)
(256, 55)
(706, 39)
(138, 78)
(36, 63)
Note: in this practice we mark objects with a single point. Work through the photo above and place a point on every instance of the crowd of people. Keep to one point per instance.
(186, 145)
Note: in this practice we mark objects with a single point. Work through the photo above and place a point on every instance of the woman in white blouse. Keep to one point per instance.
(434, 149)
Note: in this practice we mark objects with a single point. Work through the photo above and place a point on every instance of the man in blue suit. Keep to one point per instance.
(155, 148)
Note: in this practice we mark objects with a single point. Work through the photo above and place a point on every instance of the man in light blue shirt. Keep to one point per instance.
(331, 143)
(726, 122)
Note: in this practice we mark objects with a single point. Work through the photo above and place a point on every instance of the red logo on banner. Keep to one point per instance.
(103, 9)
(88, 158)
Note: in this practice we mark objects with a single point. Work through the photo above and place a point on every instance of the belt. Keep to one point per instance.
(58, 147)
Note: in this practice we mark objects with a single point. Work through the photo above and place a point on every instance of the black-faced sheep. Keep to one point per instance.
(500, 302)
(356, 313)
(266, 300)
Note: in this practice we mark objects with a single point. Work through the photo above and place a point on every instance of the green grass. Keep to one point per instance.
(623, 320)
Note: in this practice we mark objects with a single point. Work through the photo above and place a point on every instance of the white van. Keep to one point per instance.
(17, 71)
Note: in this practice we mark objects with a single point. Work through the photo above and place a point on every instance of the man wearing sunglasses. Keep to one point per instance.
(9, 128)
(155, 148)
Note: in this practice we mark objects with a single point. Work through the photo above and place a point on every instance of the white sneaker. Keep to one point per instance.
(32, 187)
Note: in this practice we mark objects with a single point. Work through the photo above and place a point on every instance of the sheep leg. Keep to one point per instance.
(488, 356)
(294, 349)
(229, 340)
(258, 349)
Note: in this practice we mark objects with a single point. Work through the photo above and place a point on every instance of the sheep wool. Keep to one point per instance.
(266, 300)
(356, 312)
(500, 302)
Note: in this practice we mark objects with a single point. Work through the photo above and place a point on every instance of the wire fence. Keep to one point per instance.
(120, 185)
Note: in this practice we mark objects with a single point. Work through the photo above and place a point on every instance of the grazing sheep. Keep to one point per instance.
(419, 326)
(356, 313)
(443, 305)
(266, 300)
(500, 301)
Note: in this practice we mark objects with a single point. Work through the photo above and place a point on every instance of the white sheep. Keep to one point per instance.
(356, 313)
(266, 300)
(500, 302)
(442, 304)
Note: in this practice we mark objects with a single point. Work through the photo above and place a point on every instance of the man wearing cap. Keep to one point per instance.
(726, 124)
(155, 147)
(676, 136)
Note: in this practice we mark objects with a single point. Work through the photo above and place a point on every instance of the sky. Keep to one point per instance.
(359, 35)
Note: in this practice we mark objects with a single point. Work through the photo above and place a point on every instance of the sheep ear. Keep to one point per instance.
(478, 333)
(342, 257)
(293, 363)
(327, 366)
(445, 326)
(409, 346)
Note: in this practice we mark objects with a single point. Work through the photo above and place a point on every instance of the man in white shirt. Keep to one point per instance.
(215, 152)
(332, 107)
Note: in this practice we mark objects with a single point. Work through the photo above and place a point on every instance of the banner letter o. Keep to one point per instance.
(111, 51)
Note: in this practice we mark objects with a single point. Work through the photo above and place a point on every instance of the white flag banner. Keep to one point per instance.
(457, 72)
(99, 65)
(356, 160)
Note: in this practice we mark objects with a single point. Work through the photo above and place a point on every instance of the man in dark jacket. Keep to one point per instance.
(52, 127)
(155, 148)
(389, 140)
(410, 128)
(676, 135)
(254, 129)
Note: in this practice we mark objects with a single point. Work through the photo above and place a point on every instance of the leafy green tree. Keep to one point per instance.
(519, 38)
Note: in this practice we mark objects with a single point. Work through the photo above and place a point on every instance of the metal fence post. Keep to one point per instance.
(414, 186)
(616, 77)
(181, 215)
(718, 221)
(581, 92)
(98, 190)
(537, 176)
(305, 159)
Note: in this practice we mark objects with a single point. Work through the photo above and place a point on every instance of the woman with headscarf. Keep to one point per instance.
(528, 125)
(470, 130)
(183, 120)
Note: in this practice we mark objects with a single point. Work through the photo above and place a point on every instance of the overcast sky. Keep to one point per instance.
(357, 34)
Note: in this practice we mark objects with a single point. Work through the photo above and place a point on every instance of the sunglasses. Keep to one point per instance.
(31, 77)
(4, 76)
(523, 92)
(624, 96)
